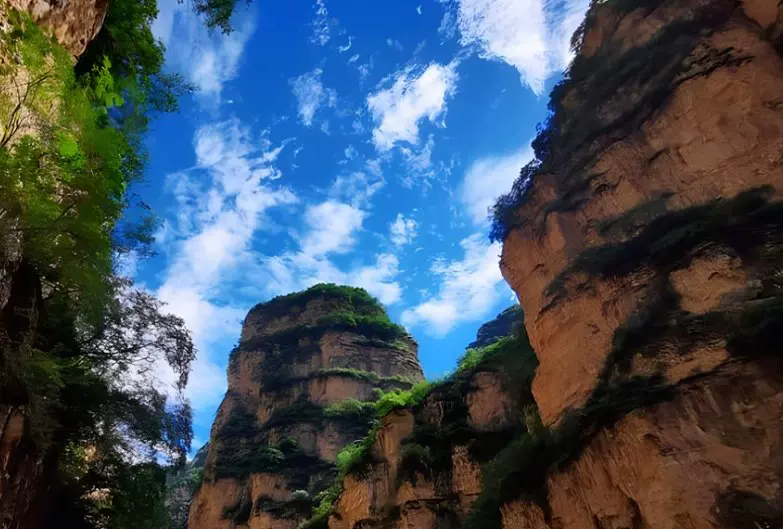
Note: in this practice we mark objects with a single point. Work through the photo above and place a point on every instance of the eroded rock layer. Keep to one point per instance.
(297, 382)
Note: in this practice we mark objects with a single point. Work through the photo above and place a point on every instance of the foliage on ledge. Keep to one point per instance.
(352, 299)
(429, 447)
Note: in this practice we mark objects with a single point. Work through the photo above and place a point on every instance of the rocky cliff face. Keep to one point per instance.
(647, 254)
(645, 247)
(305, 364)
(425, 464)
(658, 200)
(502, 325)
(74, 23)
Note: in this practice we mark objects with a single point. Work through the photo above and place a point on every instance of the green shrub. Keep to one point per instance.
(354, 299)
(378, 326)
(351, 409)
(359, 374)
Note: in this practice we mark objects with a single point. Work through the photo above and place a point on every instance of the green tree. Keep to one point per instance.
(84, 364)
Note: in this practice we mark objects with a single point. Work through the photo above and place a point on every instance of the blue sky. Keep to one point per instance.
(356, 142)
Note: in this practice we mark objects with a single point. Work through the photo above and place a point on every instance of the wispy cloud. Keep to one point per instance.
(221, 205)
(321, 24)
(207, 59)
(331, 228)
(488, 178)
(343, 49)
(311, 95)
(469, 289)
(415, 94)
(357, 188)
(531, 35)
(403, 230)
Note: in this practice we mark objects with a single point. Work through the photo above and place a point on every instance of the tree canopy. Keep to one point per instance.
(95, 363)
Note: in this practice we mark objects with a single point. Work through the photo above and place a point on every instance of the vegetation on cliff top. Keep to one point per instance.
(351, 299)
(349, 309)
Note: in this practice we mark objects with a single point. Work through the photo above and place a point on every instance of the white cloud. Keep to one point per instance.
(350, 152)
(419, 165)
(364, 70)
(205, 58)
(354, 58)
(311, 95)
(321, 24)
(418, 9)
(414, 95)
(357, 187)
(222, 203)
(343, 49)
(488, 178)
(530, 35)
(469, 288)
(403, 230)
(331, 227)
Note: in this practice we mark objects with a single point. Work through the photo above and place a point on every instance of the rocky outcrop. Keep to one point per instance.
(425, 466)
(74, 23)
(299, 386)
(23, 468)
(503, 325)
(646, 251)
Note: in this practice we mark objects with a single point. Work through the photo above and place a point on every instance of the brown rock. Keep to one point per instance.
(715, 136)
(288, 367)
(74, 23)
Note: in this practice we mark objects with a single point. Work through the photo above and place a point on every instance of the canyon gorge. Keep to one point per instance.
(637, 385)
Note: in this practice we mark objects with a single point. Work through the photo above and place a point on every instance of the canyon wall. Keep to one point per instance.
(646, 247)
(647, 253)
(298, 384)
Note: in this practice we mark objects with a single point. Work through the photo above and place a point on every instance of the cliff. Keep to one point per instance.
(502, 325)
(645, 246)
(73, 23)
(300, 388)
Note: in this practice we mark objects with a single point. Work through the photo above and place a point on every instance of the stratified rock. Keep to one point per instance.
(653, 187)
(277, 433)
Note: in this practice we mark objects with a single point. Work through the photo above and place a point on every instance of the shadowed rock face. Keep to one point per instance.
(74, 23)
(501, 326)
(276, 435)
